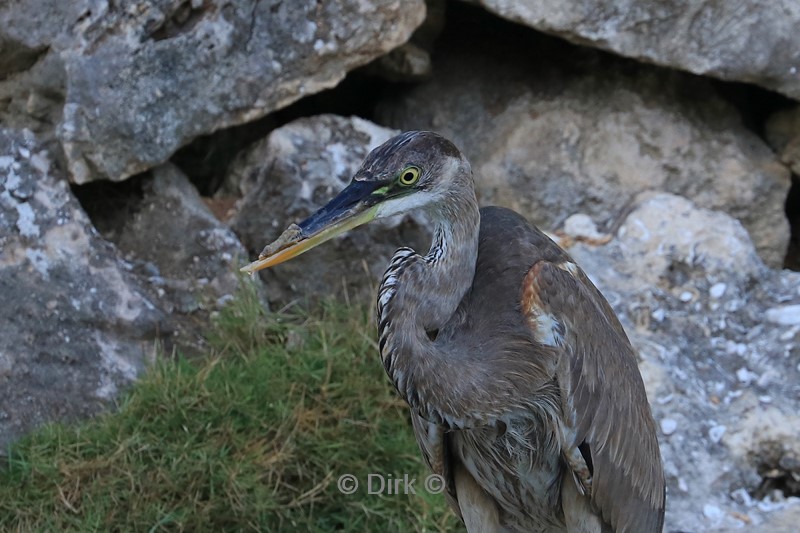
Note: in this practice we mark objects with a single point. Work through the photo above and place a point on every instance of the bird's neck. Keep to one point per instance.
(420, 294)
(423, 292)
(448, 268)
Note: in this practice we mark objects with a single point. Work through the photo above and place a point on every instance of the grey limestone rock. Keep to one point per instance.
(75, 326)
(185, 256)
(588, 135)
(147, 77)
(746, 40)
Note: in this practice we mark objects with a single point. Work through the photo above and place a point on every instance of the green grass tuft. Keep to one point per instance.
(251, 438)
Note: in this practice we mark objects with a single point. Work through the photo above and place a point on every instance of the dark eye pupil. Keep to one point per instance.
(408, 177)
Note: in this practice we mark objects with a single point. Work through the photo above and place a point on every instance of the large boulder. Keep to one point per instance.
(28, 30)
(746, 41)
(32, 79)
(75, 325)
(783, 134)
(292, 173)
(147, 78)
(552, 130)
(719, 338)
(186, 258)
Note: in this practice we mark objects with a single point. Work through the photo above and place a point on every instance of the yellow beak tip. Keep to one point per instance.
(293, 243)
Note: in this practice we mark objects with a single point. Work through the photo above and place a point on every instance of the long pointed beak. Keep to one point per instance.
(351, 208)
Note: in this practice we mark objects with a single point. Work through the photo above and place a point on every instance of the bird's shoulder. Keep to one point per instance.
(508, 245)
(507, 236)
(605, 407)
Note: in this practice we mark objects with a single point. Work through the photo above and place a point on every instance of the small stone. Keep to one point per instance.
(686, 296)
(717, 290)
(150, 269)
(668, 426)
(784, 315)
(658, 315)
(662, 400)
(224, 300)
(712, 512)
(716, 433)
(736, 348)
(789, 334)
(583, 227)
(745, 376)
(742, 497)
(767, 378)
(767, 505)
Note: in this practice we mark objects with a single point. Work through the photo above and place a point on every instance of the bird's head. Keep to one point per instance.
(416, 169)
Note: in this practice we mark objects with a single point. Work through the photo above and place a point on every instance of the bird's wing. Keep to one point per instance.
(433, 442)
(608, 418)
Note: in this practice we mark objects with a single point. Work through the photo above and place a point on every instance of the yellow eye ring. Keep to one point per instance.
(409, 176)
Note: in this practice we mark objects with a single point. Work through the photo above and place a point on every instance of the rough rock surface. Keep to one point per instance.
(591, 133)
(75, 326)
(148, 77)
(719, 337)
(183, 254)
(783, 134)
(32, 79)
(291, 174)
(29, 29)
(743, 41)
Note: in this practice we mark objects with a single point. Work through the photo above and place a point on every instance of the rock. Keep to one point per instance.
(668, 426)
(147, 78)
(29, 29)
(666, 235)
(713, 363)
(581, 227)
(33, 99)
(783, 134)
(716, 433)
(713, 513)
(785, 315)
(411, 62)
(185, 256)
(76, 326)
(587, 137)
(717, 290)
(782, 520)
(742, 41)
(292, 173)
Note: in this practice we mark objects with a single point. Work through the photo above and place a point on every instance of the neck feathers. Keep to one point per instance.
(420, 294)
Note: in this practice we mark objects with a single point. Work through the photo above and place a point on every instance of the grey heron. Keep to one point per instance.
(524, 390)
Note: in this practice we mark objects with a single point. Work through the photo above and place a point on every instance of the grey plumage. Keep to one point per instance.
(524, 390)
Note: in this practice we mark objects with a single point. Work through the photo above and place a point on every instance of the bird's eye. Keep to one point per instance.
(409, 176)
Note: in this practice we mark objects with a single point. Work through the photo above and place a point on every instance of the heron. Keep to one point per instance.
(524, 390)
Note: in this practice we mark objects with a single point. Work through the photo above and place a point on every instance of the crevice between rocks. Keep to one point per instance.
(206, 160)
(109, 204)
(779, 472)
(756, 105)
(183, 18)
(792, 261)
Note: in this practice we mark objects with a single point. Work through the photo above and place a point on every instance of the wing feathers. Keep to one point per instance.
(604, 393)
